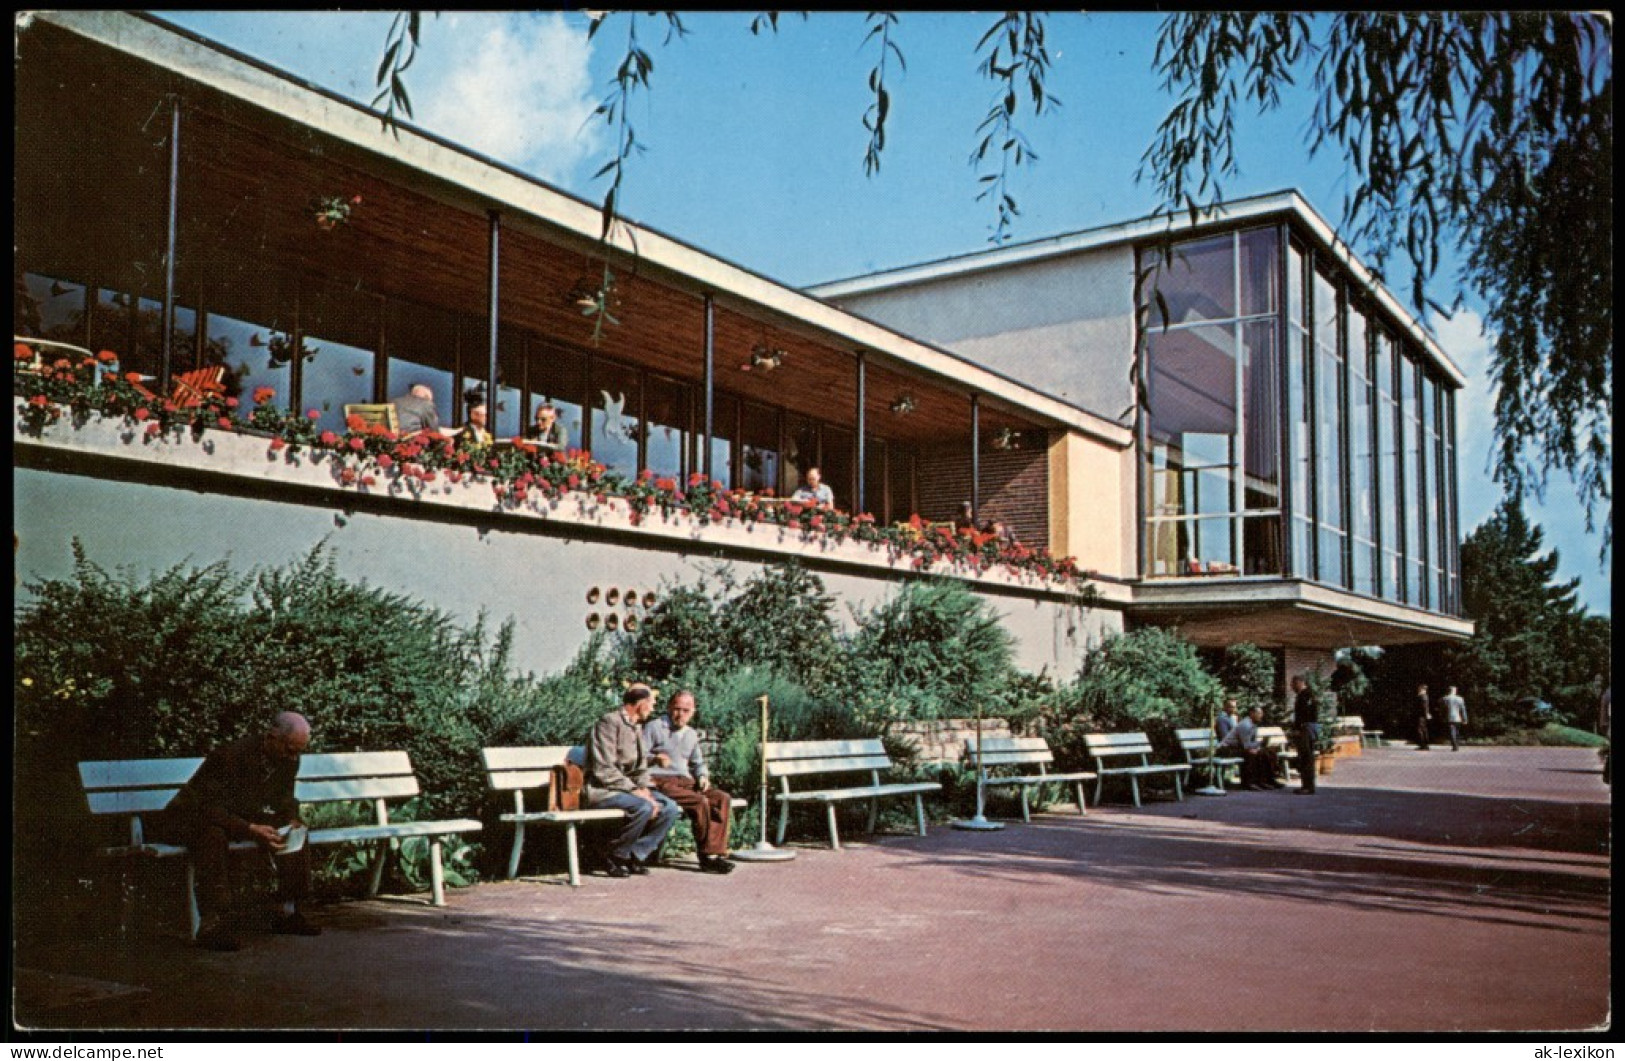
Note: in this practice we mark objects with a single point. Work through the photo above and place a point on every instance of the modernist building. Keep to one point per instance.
(1290, 480)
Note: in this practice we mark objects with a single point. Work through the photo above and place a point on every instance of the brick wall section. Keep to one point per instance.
(1015, 489)
(944, 740)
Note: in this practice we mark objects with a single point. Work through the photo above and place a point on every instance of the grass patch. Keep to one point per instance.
(1550, 735)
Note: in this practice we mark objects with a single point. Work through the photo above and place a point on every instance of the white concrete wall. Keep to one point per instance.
(145, 505)
(1064, 326)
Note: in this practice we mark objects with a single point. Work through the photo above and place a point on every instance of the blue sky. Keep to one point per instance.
(754, 149)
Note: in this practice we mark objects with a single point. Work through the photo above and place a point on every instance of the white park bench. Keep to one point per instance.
(1024, 755)
(822, 759)
(1109, 748)
(517, 770)
(1201, 748)
(1286, 754)
(135, 788)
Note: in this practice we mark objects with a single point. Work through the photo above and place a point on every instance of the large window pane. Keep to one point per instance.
(874, 476)
(724, 439)
(112, 328)
(1260, 271)
(759, 448)
(616, 421)
(559, 376)
(1362, 459)
(49, 308)
(422, 344)
(253, 366)
(901, 480)
(666, 410)
(1435, 493)
(1389, 471)
(839, 454)
(1299, 407)
(336, 374)
(1329, 403)
(1199, 283)
(800, 451)
(1415, 546)
(1262, 415)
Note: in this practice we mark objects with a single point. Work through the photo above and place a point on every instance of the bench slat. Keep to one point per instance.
(320, 765)
(343, 788)
(346, 834)
(508, 780)
(535, 757)
(137, 773)
(823, 749)
(805, 767)
(130, 800)
(835, 795)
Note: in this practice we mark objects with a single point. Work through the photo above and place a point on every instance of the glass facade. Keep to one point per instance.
(1355, 490)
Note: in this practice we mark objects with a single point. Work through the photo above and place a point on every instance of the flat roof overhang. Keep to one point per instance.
(549, 241)
(1286, 613)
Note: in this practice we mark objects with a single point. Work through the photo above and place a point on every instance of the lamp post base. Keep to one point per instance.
(762, 852)
(1209, 790)
(978, 824)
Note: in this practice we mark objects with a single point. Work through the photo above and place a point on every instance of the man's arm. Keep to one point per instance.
(605, 771)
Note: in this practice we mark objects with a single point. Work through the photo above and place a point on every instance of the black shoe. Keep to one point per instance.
(294, 924)
(614, 867)
(715, 864)
(1304, 792)
(216, 935)
(636, 867)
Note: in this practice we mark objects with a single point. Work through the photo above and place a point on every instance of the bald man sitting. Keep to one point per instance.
(244, 791)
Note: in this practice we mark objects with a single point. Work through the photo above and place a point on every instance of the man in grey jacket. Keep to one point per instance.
(618, 777)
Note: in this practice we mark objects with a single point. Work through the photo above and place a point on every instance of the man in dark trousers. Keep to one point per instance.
(1424, 717)
(618, 777)
(244, 791)
(1306, 719)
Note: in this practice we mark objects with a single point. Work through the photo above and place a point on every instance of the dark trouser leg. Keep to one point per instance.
(1422, 732)
(1306, 757)
(293, 876)
(638, 812)
(1455, 737)
(707, 812)
(659, 823)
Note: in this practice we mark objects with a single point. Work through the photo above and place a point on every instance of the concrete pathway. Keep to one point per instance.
(1417, 892)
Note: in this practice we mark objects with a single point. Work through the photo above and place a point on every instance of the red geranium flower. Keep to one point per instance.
(22, 352)
(358, 444)
(328, 438)
(132, 377)
(142, 413)
(106, 356)
(263, 394)
(154, 428)
(385, 461)
(277, 443)
(314, 414)
(40, 400)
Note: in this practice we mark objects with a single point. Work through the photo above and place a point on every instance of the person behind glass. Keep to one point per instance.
(679, 772)
(966, 520)
(1306, 717)
(547, 432)
(243, 791)
(812, 490)
(1424, 717)
(473, 434)
(415, 411)
(618, 777)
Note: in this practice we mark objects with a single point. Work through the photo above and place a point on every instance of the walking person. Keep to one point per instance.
(1424, 716)
(1455, 713)
(1306, 718)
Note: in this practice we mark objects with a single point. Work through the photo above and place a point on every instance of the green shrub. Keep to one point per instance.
(1247, 673)
(1148, 680)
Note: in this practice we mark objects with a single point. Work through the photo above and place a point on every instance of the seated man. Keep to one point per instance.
(812, 490)
(679, 772)
(618, 777)
(1226, 720)
(474, 434)
(1258, 763)
(243, 791)
(415, 410)
(548, 432)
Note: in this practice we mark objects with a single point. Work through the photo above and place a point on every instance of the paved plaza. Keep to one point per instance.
(1416, 892)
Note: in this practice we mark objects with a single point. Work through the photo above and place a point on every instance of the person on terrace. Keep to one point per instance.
(474, 435)
(548, 433)
(415, 410)
(243, 791)
(813, 491)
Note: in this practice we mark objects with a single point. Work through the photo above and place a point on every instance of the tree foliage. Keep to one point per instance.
(1490, 134)
(1531, 638)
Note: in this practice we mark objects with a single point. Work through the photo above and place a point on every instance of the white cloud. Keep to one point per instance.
(514, 86)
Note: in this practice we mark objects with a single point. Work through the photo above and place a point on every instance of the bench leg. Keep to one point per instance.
(1082, 808)
(919, 811)
(1134, 781)
(437, 873)
(834, 835)
(1025, 816)
(194, 917)
(570, 853)
(874, 812)
(1179, 795)
(784, 819)
(518, 847)
(1100, 783)
(378, 869)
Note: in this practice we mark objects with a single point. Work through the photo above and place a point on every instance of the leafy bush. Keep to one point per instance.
(1148, 680)
(1247, 673)
(933, 650)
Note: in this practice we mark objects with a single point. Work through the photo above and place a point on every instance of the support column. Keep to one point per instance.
(710, 383)
(170, 236)
(976, 459)
(493, 282)
(857, 493)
